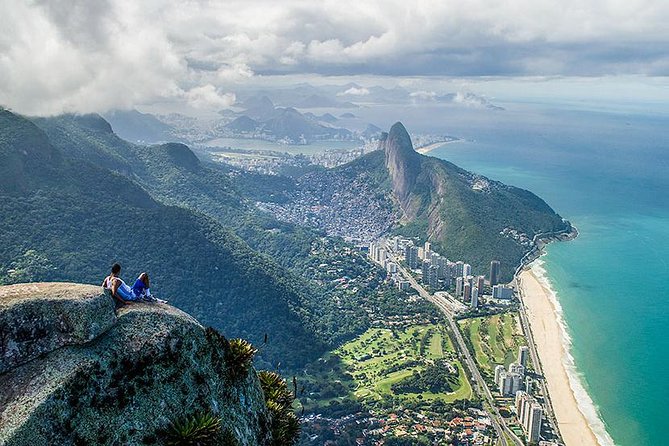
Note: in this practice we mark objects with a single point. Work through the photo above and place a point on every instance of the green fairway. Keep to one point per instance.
(382, 357)
(494, 339)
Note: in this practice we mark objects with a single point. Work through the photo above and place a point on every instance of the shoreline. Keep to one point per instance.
(578, 421)
(435, 145)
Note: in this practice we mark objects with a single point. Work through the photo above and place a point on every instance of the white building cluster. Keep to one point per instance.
(530, 415)
(379, 254)
(437, 271)
(510, 381)
(469, 288)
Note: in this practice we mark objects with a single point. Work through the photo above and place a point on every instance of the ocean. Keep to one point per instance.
(606, 169)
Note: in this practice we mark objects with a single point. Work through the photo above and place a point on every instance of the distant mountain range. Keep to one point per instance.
(265, 121)
(139, 127)
(285, 114)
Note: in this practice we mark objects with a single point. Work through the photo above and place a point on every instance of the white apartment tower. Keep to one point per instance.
(533, 426)
(475, 298)
(458, 286)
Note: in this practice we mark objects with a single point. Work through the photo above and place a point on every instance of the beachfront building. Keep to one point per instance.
(516, 368)
(494, 272)
(523, 352)
(502, 292)
(509, 383)
(530, 415)
(533, 427)
(528, 384)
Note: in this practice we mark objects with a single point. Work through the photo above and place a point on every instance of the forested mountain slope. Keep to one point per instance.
(63, 218)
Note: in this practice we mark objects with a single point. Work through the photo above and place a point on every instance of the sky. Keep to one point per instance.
(90, 56)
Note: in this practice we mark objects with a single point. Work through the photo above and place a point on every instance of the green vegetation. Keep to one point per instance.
(201, 429)
(469, 222)
(405, 363)
(83, 198)
(439, 377)
(494, 340)
(463, 214)
(284, 425)
(239, 357)
(67, 220)
(312, 292)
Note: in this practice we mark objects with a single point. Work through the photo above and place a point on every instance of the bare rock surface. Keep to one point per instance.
(114, 378)
(37, 318)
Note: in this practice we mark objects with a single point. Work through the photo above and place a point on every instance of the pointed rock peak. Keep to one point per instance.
(399, 132)
(402, 161)
(399, 141)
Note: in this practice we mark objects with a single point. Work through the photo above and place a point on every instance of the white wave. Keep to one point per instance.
(583, 399)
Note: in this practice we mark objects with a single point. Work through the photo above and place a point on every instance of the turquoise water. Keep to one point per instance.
(608, 173)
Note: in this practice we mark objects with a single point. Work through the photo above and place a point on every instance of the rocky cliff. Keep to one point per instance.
(402, 161)
(466, 216)
(75, 371)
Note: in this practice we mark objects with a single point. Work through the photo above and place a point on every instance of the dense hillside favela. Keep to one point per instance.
(378, 295)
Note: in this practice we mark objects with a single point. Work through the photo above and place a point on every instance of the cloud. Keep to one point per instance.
(78, 55)
(208, 97)
(423, 95)
(354, 91)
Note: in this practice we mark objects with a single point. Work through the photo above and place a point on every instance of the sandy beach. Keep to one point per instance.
(548, 337)
(430, 147)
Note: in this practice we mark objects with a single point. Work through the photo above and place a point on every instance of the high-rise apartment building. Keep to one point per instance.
(494, 272)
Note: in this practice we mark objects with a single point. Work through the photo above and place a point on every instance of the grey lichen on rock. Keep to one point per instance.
(122, 382)
(38, 318)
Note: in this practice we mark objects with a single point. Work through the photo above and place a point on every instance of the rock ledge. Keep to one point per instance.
(81, 374)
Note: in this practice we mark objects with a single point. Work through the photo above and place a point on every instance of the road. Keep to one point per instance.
(448, 306)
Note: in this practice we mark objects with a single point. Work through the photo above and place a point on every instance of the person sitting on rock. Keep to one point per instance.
(108, 282)
(123, 293)
(141, 287)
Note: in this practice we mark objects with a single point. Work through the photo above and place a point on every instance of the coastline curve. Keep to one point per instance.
(553, 343)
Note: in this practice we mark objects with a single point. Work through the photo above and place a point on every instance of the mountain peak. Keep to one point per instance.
(402, 161)
(399, 138)
(92, 121)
